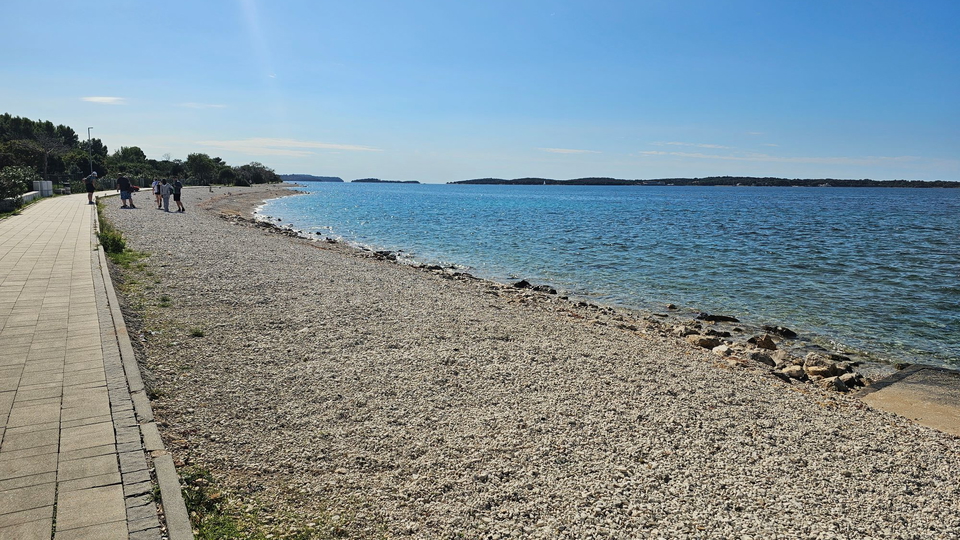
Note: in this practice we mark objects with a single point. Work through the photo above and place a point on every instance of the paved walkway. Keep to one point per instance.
(72, 459)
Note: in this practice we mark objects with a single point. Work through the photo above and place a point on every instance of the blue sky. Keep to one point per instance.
(443, 90)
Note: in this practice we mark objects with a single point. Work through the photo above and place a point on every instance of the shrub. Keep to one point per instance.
(112, 241)
(15, 181)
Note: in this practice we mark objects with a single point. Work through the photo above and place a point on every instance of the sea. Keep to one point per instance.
(870, 271)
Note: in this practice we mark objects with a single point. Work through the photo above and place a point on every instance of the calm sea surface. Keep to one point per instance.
(873, 270)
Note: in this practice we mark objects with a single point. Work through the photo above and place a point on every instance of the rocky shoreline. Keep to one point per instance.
(790, 358)
(422, 402)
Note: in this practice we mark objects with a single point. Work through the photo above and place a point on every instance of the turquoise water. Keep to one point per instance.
(869, 269)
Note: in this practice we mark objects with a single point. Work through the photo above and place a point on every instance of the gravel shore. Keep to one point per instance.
(404, 402)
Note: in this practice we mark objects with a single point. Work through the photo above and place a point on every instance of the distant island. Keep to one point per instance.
(379, 181)
(717, 181)
(309, 178)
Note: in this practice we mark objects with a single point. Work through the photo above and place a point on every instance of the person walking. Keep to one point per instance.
(126, 192)
(177, 188)
(156, 193)
(165, 190)
(88, 183)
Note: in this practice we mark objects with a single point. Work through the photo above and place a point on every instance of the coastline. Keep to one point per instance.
(670, 319)
(429, 402)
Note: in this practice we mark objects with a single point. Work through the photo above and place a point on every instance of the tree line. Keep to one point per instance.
(39, 150)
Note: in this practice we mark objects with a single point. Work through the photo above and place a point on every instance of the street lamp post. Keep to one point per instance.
(90, 149)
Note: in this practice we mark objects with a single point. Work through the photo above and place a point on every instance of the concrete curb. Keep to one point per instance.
(174, 509)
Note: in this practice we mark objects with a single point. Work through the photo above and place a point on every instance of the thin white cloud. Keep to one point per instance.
(567, 151)
(106, 100)
(192, 105)
(695, 145)
(770, 144)
(282, 147)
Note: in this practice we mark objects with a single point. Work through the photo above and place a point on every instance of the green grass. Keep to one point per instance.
(196, 332)
(129, 258)
(215, 516)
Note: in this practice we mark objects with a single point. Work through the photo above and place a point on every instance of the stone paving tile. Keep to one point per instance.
(78, 352)
(106, 531)
(9, 384)
(16, 336)
(9, 360)
(94, 409)
(85, 376)
(87, 482)
(89, 507)
(30, 437)
(70, 367)
(43, 412)
(28, 498)
(87, 466)
(9, 519)
(83, 389)
(79, 422)
(25, 481)
(6, 402)
(39, 529)
(87, 436)
(6, 454)
(31, 379)
(43, 365)
(92, 451)
(28, 466)
(38, 393)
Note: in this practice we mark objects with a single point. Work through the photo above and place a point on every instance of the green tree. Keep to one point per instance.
(130, 154)
(226, 176)
(201, 167)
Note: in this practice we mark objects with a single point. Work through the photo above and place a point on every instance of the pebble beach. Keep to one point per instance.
(406, 402)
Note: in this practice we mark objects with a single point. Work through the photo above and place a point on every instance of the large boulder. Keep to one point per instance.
(763, 342)
(706, 342)
(794, 372)
(818, 365)
(833, 383)
(782, 358)
(762, 356)
(722, 350)
(852, 380)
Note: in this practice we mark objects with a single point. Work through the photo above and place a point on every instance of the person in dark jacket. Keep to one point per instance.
(126, 192)
(177, 188)
(89, 184)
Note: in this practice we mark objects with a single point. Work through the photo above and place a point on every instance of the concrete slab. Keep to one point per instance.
(31, 529)
(28, 498)
(90, 507)
(88, 466)
(927, 395)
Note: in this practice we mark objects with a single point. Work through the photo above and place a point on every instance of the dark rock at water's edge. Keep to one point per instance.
(379, 181)
(780, 331)
(716, 318)
(524, 284)
(293, 178)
